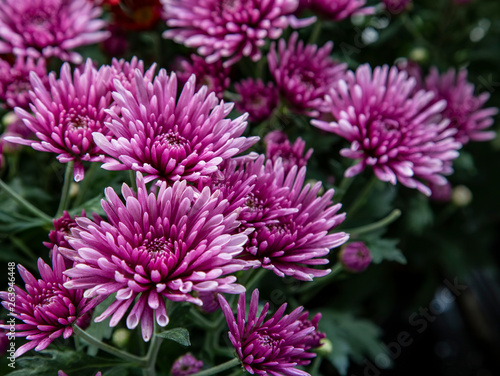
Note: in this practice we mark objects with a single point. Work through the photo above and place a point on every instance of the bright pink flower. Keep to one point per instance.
(278, 146)
(257, 98)
(15, 83)
(47, 309)
(273, 347)
(170, 245)
(49, 27)
(66, 115)
(337, 10)
(391, 128)
(304, 73)
(214, 75)
(229, 29)
(169, 137)
(464, 110)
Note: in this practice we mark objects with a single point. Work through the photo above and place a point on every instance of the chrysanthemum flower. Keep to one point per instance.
(66, 114)
(290, 222)
(170, 245)
(337, 10)
(257, 98)
(186, 365)
(124, 72)
(304, 73)
(355, 257)
(273, 347)
(47, 309)
(229, 28)
(391, 128)
(214, 75)
(397, 6)
(171, 138)
(278, 146)
(49, 27)
(464, 110)
(62, 228)
(14, 80)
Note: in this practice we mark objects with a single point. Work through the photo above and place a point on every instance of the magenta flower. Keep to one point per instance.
(337, 10)
(171, 138)
(47, 309)
(397, 6)
(171, 245)
(14, 80)
(391, 128)
(355, 257)
(214, 75)
(124, 72)
(231, 28)
(273, 347)
(278, 146)
(290, 222)
(464, 110)
(49, 27)
(186, 365)
(257, 98)
(66, 115)
(304, 73)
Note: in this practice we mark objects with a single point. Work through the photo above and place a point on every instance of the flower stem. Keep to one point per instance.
(254, 278)
(315, 365)
(201, 321)
(152, 354)
(221, 367)
(15, 196)
(133, 181)
(141, 362)
(68, 176)
(315, 33)
(395, 214)
(362, 197)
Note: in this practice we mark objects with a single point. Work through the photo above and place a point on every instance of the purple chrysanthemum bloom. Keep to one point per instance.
(49, 27)
(47, 309)
(397, 6)
(290, 222)
(229, 28)
(171, 138)
(391, 127)
(304, 73)
(464, 110)
(273, 347)
(186, 365)
(66, 115)
(14, 80)
(170, 245)
(278, 146)
(14, 127)
(124, 72)
(337, 10)
(214, 75)
(62, 228)
(355, 257)
(257, 98)
(313, 339)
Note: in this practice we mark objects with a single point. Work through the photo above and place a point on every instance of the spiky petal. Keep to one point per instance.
(48, 28)
(47, 309)
(392, 128)
(169, 137)
(169, 245)
(273, 347)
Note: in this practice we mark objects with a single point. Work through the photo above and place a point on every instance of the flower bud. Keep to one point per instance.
(355, 257)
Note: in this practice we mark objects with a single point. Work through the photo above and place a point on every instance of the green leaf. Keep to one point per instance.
(179, 335)
(385, 249)
(71, 362)
(351, 338)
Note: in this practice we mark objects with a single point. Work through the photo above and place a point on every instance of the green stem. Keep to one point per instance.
(85, 183)
(336, 269)
(133, 180)
(395, 214)
(343, 188)
(201, 321)
(315, 33)
(152, 354)
(254, 278)
(362, 197)
(15, 196)
(315, 366)
(68, 177)
(221, 367)
(141, 362)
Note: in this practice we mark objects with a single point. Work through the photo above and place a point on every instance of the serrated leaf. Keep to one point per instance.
(179, 335)
(385, 249)
(351, 338)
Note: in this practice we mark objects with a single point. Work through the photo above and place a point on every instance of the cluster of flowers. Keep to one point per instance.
(210, 212)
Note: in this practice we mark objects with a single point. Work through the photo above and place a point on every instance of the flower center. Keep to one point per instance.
(158, 246)
(171, 139)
